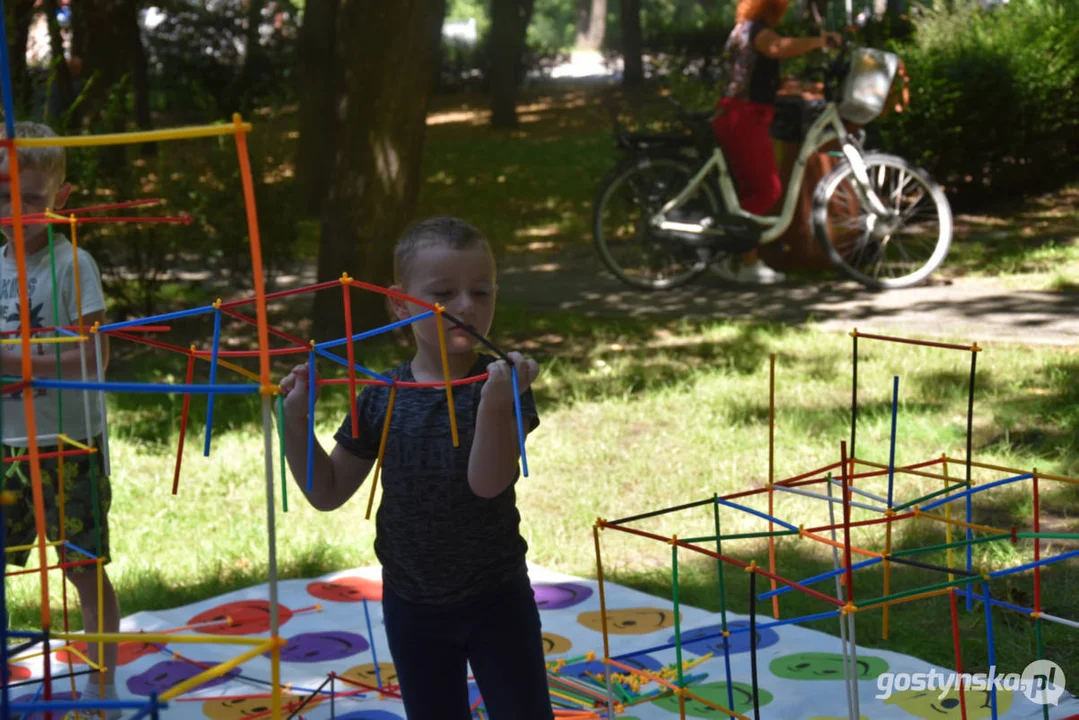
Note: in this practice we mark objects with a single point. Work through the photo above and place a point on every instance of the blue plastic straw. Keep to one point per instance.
(5, 671)
(992, 645)
(891, 454)
(64, 331)
(76, 548)
(371, 635)
(804, 618)
(976, 489)
(359, 368)
(145, 387)
(758, 513)
(29, 634)
(57, 706)
(1030, 565)
(157, 318)
(998, 603)
(817, 578)
(371, 333)
(213, 381)
(311, 421)
(520, 420)
(5, 79)
(152, 708)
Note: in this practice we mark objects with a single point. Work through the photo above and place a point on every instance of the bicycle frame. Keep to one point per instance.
(828, 127)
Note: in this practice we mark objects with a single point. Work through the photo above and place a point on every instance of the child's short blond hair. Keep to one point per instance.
(51, 160)
(449, 232)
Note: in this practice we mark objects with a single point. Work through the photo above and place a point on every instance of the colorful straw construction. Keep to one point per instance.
(226, 377)
(888, 506)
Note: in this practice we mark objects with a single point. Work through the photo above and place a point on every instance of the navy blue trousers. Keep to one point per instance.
(497, 633)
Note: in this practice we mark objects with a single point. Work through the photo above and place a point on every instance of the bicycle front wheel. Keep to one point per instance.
(896, 250)
(637, 253)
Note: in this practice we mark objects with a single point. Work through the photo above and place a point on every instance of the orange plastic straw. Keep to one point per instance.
(446, 372)
(381, 449)
(27, 375)
(256, 254)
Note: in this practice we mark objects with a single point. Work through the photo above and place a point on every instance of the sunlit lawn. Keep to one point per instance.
(637, 418)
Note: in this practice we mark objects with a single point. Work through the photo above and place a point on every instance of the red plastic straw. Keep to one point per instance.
(1037, 550)
(393, 294)
(178, 220)
(372, 381)
(58, 566)
(48, 455)
(281, 294)
(272, 330)
(861, 523)
(102, 208)
(183, 424)
(846, 521)
(730, 560)
(152, 343)
(346, 292)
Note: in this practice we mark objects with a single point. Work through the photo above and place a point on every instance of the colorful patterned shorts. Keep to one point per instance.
(86, 523)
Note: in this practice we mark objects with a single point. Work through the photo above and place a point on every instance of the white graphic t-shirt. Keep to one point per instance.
(39, 280)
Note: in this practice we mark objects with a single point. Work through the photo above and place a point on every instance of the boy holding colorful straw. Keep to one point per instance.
(455, 585)
(64, 291)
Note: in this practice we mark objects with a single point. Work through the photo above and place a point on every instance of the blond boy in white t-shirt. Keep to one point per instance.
(42, 186)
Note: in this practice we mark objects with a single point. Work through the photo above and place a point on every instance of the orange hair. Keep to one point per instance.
(766, 11)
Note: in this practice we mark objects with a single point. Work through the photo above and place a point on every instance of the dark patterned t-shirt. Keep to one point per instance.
(753, 75)
(439, 543)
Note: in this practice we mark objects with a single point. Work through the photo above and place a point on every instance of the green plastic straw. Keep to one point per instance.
(958, 543)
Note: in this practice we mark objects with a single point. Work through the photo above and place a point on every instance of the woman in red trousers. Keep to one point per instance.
(746, 111)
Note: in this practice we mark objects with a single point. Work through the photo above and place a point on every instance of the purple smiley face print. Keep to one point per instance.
(164, 675)
(321, 646)
(559, 596)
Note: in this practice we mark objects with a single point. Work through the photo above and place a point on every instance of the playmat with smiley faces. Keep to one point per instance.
(333, 625)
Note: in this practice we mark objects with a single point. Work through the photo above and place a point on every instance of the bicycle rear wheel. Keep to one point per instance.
(637, 253)
(883, 252)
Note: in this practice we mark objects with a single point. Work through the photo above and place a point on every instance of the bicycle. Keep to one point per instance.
(680, 219)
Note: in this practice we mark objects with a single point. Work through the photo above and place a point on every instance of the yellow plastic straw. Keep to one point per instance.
(45, 340)
(158, 638)
(446, 372)
(218, 670)
(381, 450)
(143, 136)
(100, 623)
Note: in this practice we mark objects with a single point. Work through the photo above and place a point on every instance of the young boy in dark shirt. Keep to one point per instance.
(456, 589)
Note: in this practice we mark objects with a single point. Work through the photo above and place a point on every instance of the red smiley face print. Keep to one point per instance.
(347, 589)
(17, 672)
(127, 653)
(246, 617)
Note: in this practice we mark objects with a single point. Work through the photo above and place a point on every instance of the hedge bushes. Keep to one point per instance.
(994, 107)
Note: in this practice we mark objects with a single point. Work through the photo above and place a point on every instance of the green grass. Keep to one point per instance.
(672, 413)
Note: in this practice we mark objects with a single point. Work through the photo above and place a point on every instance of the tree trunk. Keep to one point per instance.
(381, 117)
(591, 23)
(252, 51)
(110, 52)
(62, 89)
(509, 25)
(633, 67)
(319, 79)
(22, 13)
(140, 83)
